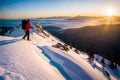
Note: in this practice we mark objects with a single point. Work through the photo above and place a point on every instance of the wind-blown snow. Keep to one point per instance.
(38, 60)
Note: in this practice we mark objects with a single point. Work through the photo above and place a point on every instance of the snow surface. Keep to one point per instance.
(38, 60)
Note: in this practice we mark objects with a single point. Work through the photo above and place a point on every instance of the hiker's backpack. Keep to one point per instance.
(24, 24)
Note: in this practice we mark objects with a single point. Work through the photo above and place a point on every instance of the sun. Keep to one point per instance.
(110, 12)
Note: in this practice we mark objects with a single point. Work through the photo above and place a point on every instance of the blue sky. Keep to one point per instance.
(47, 8)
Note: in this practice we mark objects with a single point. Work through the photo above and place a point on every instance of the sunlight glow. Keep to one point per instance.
(110, 12)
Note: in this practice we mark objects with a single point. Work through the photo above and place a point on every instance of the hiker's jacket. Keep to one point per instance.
(28, 26)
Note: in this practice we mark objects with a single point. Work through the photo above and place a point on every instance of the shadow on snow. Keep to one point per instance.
(68, 69)
(5, 42)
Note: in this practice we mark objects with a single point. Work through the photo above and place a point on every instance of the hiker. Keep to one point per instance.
(27, 30)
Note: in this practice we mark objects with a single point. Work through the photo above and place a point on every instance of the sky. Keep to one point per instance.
(47, 8)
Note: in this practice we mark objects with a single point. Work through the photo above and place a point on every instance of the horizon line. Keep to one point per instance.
(57, 17)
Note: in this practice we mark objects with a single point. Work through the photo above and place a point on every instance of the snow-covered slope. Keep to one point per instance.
(38, 60)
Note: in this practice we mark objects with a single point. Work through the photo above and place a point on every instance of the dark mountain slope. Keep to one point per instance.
(103, 38)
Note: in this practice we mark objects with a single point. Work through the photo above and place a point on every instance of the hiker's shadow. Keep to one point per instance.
(5, 42)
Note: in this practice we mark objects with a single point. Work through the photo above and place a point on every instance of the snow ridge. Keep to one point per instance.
(38, 60)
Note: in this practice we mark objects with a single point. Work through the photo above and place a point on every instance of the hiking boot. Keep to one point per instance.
(23, 38)
(28, 40)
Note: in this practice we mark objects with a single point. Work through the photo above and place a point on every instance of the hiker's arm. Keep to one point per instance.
(31, 26)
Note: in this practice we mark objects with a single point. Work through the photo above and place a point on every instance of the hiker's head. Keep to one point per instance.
(28, 20)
